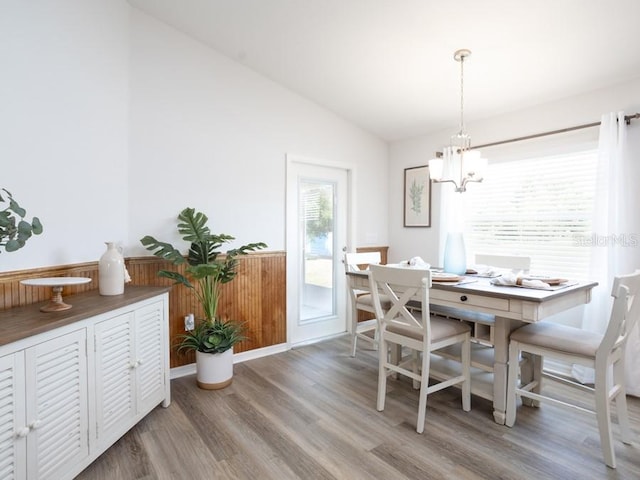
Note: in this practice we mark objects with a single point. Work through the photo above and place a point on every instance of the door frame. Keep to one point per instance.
(291, 229)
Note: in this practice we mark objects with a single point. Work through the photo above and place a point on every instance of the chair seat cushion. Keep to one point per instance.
(558, 337)
(440, 328)
(367, 300)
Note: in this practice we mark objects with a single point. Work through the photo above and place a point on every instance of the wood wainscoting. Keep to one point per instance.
(383, 252)
(257, 296)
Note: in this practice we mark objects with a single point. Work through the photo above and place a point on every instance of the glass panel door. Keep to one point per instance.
(317, 207)
(317, 203)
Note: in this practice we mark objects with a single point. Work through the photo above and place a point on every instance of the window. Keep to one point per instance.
(539, 207)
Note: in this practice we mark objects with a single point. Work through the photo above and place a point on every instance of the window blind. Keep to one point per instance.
(539, 207)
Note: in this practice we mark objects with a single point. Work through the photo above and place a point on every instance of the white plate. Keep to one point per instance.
(55, 281)
(445, 277)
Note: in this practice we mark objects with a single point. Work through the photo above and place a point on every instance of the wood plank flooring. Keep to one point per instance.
(310, 414)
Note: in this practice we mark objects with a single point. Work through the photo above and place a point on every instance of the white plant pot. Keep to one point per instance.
(214, 370)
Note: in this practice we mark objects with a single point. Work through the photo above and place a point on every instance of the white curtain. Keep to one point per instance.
(451, 203)
(613, 250)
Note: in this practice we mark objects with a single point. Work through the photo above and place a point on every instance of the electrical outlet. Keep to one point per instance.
(189, 322)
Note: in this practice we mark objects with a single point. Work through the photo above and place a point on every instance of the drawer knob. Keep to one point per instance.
(463, 298)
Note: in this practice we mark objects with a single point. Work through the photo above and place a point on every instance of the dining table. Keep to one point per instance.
(508, 306)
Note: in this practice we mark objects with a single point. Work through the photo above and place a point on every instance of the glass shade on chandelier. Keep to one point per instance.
(458, 167)
(458, 163)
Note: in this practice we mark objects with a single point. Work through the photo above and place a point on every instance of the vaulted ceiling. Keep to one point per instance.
(387, 65)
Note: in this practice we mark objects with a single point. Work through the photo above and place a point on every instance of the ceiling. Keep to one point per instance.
(387, 65)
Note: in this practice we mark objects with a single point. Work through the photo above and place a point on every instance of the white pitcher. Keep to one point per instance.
(111, 271)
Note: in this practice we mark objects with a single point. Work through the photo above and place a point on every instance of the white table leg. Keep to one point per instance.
(503, 327)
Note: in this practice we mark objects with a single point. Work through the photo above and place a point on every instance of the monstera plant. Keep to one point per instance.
(207, 269)
(14, 229)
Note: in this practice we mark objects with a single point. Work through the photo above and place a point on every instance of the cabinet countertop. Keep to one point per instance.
(23, 322)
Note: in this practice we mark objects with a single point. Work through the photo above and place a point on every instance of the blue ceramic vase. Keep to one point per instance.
(455, 255)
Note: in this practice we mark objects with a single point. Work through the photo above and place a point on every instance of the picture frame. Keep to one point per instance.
(417, 197)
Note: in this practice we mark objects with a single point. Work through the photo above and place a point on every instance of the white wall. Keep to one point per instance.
(111, 123)
(208, 133)
(408, 242)
(63, 124)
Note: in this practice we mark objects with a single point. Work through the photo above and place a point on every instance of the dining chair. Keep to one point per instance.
(603, 352)
(517, 263)
(362, 300)
(402, 326)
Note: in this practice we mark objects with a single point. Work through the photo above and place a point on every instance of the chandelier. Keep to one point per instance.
(458, 164)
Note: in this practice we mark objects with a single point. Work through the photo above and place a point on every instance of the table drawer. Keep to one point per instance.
(462, 299)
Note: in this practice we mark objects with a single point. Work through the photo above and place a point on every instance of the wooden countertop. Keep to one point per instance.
(22, 322)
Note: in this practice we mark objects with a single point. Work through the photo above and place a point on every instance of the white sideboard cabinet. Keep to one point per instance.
(72, 383)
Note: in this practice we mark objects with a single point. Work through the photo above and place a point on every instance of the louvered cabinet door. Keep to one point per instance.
(150, 356)
(114, 376)
(57, 406)
(13, 429)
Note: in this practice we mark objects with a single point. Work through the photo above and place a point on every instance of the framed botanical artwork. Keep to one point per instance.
(417, 197)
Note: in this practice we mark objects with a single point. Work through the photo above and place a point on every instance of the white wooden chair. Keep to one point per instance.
(517, 263)
(400, 327)
(362, 300)
(605, 353)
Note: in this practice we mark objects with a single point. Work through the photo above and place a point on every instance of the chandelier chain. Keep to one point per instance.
(462, 95)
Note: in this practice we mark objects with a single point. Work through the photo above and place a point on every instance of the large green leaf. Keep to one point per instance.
(13, 245)
(37, 226)
(243, 250)
(176, 277)
(193, 226)
(17, 209)
(162, 249)
(205, 270)
(200, 252)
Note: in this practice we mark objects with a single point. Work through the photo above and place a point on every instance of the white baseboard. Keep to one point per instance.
(184, 370)
(317, 340)
(259, 352)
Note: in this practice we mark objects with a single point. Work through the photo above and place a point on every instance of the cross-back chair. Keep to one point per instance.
(401, 326)
(603, 352)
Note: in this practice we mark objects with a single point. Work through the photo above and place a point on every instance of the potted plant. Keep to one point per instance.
(14, 233)
(208, 268)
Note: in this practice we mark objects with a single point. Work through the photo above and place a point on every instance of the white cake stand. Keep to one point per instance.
(57, 283)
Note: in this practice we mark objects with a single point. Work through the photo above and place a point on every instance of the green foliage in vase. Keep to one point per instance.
(208, 268)
(14, 229)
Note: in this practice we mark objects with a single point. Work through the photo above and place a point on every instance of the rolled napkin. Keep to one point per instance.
(418, 262)
(486, 271)
(510, 279)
